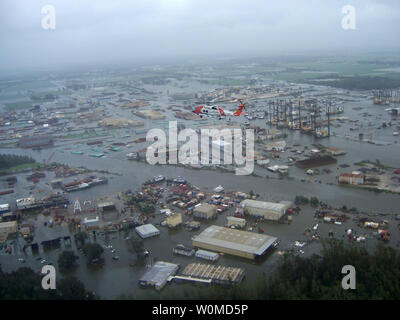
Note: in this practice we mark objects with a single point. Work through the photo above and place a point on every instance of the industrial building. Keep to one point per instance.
(207, 255)
(267, 210)
(205, 211)
(236, 222)
(174, 220)
(217, 274)
(7, 228)
(92, 223)
(4, 208)
(147, 231)
(157, 276)
(232, 241)
(351, 178)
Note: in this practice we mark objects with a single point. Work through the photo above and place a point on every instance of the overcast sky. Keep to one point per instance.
(104, 31)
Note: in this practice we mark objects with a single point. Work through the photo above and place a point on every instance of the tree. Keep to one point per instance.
(314, 201)
(81, 237)
(71, 288)
(67, 261)
(25, 284)
(93, 252)
(300, 200)
(136, 246)
(316, 277)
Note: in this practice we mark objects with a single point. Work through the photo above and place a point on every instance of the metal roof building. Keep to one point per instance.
(232, 241)
(174, 220)
(236, 222)
(205, 211)
(207, 255)
(147, 231)
(217, 274)
(158, 274)
(91, 222)
(7, 228)
(268, 210)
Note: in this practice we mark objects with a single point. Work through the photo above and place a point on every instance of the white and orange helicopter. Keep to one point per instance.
(215, 111)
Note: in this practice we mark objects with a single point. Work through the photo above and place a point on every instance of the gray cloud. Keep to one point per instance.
(107, 31)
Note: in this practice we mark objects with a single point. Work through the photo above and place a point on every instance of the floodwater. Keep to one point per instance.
(118, 277)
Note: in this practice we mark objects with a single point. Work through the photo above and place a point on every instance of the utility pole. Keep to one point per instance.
(329, 121)
(299, 116)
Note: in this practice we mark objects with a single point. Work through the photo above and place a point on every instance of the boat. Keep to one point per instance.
(55, 199)
(80, 186)
(97, 181)
(26, 203)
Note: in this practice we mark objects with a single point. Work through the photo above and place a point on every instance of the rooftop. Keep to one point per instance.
(265, 205)
(218, 273)
(354, 175)
(235, 239)
(204, 207)
(158, 274)
(8, 224)
(147, 229)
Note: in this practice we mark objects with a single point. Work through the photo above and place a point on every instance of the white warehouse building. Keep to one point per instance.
(268, 210)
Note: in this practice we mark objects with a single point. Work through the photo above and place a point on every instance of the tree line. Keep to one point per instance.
(11, 160)
(317, 277)
(25, 284)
